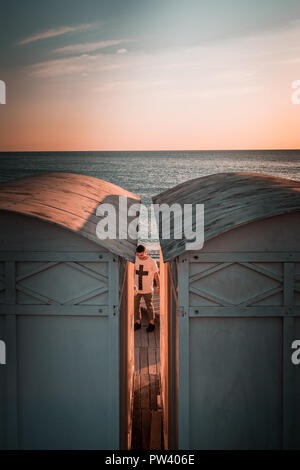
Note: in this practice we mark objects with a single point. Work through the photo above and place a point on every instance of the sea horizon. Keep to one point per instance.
(156, 150)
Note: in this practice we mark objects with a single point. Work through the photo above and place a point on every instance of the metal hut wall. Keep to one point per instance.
(66, 305)
(229, 315)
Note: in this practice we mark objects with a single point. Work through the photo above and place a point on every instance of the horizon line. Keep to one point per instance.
(155, 150)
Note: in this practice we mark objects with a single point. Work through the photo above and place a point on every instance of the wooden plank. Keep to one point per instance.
(152, 338)
(157, 337)
(288, 286)
(237, 257)
(144, 338)
(145, 391)
(264, 271)
(58, 256)
(56, 310)
(159, 404)
(85, 297)
(144, 363)
(146, 423)
(73, 207)
(261, 296)
(138, 338)
(158, 391)
(235, 311)
(156, 429)
(137, 391)
(90, 272)
(157, 352)
(152, 360)
(37, 270)
(136, 359)
(209, 295)
(153, 378)
(207, 272)
(78, 184)
(137, 429)
(10, 283)
(42, 298)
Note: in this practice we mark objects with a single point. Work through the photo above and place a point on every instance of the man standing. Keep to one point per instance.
(145, 270)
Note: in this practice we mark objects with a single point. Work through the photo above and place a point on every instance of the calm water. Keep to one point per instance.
(149, 173)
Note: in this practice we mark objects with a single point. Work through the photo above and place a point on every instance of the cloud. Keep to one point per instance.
(91, 46)
(131, 85)
(122, 51)
(235, 91)
(50, 33)
(83, 63)
(215, 71)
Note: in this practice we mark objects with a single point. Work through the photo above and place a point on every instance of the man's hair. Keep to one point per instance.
(140, 248)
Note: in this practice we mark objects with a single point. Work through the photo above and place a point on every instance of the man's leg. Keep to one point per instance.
(137, 313)
(150, 308)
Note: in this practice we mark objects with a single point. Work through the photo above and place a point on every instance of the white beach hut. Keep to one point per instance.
(229, 315)
(66, 316)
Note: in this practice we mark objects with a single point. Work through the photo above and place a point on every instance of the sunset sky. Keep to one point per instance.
(149, 74)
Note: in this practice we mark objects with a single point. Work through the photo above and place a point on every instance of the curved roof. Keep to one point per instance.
(230, 200)
(70, 201)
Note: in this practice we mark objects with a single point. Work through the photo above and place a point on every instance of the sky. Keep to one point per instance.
(149, 74)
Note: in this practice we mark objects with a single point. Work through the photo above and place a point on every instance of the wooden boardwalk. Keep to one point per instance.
(147, 416)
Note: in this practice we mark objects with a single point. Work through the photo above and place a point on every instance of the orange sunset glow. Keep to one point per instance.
(88, 88)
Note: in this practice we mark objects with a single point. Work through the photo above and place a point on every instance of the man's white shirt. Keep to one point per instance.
(144, 274)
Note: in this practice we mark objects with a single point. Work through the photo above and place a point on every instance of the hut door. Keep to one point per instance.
(231, 359)
(62, 341)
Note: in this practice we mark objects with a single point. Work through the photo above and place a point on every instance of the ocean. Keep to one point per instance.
(149, 173)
